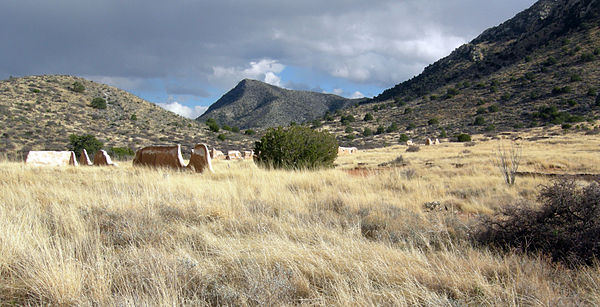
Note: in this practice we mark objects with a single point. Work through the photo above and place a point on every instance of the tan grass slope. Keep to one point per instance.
(244, 236)
(40, 112)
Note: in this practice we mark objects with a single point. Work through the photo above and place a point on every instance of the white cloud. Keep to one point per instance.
(357, 94)
(338, 91)
(182, 110)
(265, 70)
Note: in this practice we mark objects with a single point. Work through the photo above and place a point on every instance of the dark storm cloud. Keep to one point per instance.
(214, 42)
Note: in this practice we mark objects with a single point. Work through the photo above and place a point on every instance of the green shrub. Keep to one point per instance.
(433, 121)
(296, 148)
(249, 132)
(316, 123)
(367, 131)
(481, 110)
(403, 138)
(235, 129)
(121, 153)
(550, 61)
(87, 141)
(348, 129)
(408, 110)
(561, 90)
(463, 137)
(77, 87)
(133, 117)
(392, 128)
(490, 128)
(212, 125)
(566, 126)
(576, 78)
(368, 117)
(226, 128)
(493, 108)
(411, 126)
(222, 137)
(98, 103)
(443, 134)
(346, 119)
(380, 130)
(479, 121)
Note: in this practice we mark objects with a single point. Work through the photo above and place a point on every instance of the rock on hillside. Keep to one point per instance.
(257, 104)
(40, 112)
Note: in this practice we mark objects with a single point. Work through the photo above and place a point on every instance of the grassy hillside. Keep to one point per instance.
(246, 236)
(40, 112)
(539, 68)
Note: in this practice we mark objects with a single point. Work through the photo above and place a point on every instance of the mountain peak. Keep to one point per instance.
(253, 103)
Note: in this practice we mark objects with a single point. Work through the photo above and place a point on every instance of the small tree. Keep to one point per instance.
(77, 87)
(98, 103)
(87, 141)
(508, 160)
(463, 137)
(368, 117)
(296, 147)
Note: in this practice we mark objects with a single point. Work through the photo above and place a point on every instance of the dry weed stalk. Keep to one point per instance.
(507, 160)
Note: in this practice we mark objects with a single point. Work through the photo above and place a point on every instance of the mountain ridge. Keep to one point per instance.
(255, 104)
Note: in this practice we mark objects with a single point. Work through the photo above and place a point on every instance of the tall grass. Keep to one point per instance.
(248, 236)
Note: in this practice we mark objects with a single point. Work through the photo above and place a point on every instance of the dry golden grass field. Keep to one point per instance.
(247, 236)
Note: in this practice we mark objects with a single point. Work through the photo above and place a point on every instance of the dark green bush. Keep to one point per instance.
(346, 119)
(481, 110)
(408, 110)
(226, 128)
(566, 226)
(249, 132)
(463, 137)
(561, 90)
(592, 92)
(121, 153)
(380, 130)
(367, 131)
(433, 121)
(443, 134)
(490, 128)
(493, 108)
(550, 61)
(411, 126)
(403, 138)
(368, 117)
(133, 117)
(296, 148)
(392, 128)
(98, 103)
(87, 141)
(212, 125)
(479, 121)
(77, 87)
(348, 129)
(222, 137)
(576, 78)
(235, 129)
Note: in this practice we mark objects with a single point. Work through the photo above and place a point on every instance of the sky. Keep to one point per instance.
(185, 54)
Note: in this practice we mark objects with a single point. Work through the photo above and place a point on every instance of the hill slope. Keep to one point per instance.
(539, 68)
(257, 104)
(40, 112)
